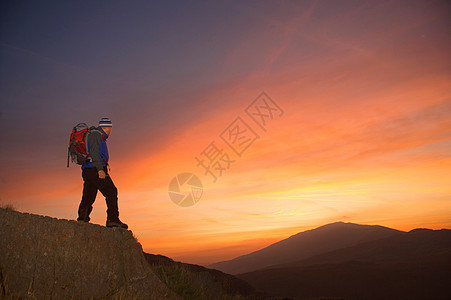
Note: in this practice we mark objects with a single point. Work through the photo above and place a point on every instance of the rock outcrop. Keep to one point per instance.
(48, 258)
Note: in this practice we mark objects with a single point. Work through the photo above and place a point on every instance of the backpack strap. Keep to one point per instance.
(86, 139)
(68, 154)
(86, 143)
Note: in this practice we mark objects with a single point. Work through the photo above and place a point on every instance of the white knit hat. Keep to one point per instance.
(105, 122)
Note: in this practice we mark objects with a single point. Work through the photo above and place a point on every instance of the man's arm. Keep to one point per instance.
(94, 139)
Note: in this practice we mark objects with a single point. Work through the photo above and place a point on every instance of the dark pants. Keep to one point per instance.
(92, 183)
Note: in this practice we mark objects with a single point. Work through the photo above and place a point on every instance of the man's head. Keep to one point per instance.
(106, 125)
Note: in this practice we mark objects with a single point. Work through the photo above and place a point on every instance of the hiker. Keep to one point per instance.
(95, 176)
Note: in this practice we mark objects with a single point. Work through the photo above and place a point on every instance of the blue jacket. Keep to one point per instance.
(97, 149)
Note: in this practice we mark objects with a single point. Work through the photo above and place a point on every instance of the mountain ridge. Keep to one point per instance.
(410, 265)
(304, 244)
(409, 246)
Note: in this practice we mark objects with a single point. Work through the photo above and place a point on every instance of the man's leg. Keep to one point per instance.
(90, 178)
(109, 190)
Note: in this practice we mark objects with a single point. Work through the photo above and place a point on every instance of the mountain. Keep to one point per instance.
(416, 245)
(306, 244)
(351, 261)
(413, 265)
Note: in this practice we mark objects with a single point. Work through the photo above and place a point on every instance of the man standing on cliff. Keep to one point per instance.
(95, 176)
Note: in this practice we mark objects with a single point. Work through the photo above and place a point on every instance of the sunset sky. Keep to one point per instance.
(363, 134)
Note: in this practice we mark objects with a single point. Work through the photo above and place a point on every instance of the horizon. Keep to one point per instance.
(265, 246)
(345, 109)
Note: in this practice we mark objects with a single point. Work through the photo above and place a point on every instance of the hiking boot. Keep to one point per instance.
(116, 223)
(83, 215)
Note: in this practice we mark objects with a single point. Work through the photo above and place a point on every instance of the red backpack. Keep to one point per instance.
(77, 150)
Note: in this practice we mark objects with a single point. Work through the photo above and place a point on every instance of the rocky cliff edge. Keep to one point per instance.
(48, 258)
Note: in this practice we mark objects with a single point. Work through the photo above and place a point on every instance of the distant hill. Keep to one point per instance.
(413, 265)
(305, 245)
(417, 245)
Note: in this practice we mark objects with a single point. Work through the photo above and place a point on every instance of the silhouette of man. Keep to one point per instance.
(95, 176)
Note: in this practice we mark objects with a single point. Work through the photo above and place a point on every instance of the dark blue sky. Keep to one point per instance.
(64, 62)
